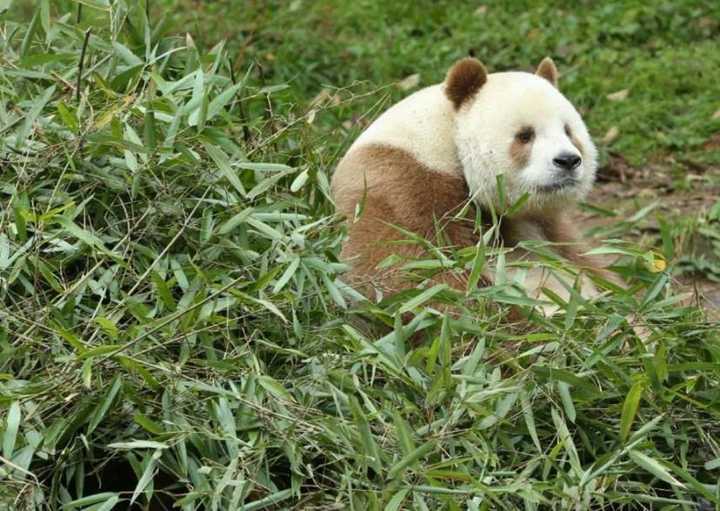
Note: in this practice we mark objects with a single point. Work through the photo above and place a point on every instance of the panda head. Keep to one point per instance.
(519, 125)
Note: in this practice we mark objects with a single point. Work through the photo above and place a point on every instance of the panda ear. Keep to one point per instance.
(464, 80)
(547, 70)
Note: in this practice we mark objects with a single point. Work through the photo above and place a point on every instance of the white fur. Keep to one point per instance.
(475, 142)
(486, 127)
(423, 125)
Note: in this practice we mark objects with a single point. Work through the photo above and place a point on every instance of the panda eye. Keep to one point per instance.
(567, 131)
(525, 135)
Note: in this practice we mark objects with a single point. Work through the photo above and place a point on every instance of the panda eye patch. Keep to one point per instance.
(525, 135)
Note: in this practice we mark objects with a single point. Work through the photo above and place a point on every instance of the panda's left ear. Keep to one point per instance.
(464, 79)
(547, 70)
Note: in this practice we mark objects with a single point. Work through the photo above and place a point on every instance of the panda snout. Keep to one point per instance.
(567, 161)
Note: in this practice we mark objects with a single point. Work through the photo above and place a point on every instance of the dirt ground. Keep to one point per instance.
(681, 189)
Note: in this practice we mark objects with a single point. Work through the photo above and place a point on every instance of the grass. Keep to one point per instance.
(174, 329)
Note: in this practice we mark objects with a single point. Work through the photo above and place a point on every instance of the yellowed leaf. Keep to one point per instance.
(320, 98)
(409, 82)
(620, 95)
(611, 135)
(658, 265)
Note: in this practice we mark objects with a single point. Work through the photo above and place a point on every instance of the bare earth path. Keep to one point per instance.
(687, 193)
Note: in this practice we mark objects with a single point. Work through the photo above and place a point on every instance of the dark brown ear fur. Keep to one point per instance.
(464, 80)
(547, 70)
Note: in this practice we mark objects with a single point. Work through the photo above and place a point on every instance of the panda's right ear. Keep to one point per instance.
(547, 70)
(464, 80)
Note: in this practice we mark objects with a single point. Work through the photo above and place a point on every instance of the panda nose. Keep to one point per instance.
(567, 161)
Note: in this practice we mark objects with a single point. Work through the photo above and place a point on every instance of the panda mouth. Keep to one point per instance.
(558, 185)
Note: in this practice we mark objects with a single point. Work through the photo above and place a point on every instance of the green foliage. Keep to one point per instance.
(662, 53)
(703, 258)
(173, 328)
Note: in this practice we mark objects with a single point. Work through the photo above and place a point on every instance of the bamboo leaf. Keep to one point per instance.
(530, 420)
(12, 424)
(102, 409)
(422, 298)
(30, 118)
(568, 405)
(629, 409)
(90, 500)
(138, 444)
(478, 266)
(267, 502)
(223, 163)
(287, 275)
(126, 55)
(300, 180)
(234, 221)
(275, 388)
(264, 167)
(396, 501)
(410, 458)
(222, 99)
(654, 467)
(147, 475)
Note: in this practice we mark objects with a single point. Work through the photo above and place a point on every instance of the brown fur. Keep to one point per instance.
(520, 153)
(574, 140)
(547, 70)
(403, 192)
(556, 227)
(464, 80)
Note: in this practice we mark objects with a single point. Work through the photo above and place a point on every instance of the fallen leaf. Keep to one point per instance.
(643, 332)
(617, 169)
(321, 97)
(687, 298)
(713, 142)
(619, 95)
(311, 116)
(646, 193)
(706, 22)
(409, 82)
(611, 135)
(658, 265)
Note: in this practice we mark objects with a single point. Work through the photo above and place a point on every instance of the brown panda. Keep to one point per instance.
(419, 163)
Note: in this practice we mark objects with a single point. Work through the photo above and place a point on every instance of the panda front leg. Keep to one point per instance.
(539, 279)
